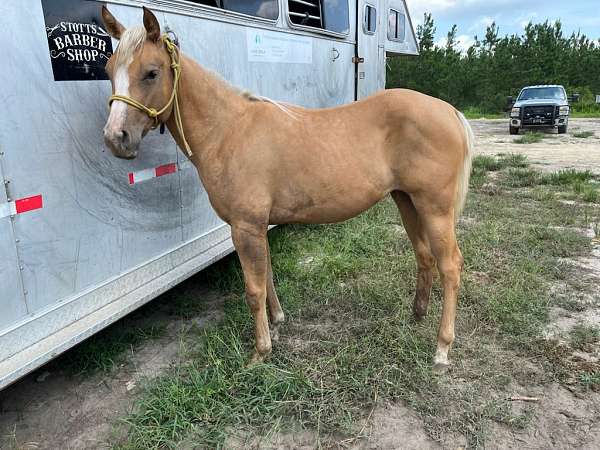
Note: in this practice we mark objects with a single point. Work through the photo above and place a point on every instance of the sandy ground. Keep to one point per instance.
(51, 410)
(556, 151)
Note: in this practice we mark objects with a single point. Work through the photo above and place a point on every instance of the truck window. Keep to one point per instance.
(553, 92)
(396, 26)
(331, 15)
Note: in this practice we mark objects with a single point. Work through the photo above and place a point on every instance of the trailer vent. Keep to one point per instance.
(306, 12)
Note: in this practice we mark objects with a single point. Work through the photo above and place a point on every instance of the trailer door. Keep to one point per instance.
(369, 58)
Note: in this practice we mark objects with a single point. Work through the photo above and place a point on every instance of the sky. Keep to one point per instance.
(473, 16)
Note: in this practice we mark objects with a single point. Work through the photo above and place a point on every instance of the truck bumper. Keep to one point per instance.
(559, 121)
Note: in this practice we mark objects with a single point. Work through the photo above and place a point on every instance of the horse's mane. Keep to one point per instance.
(259, 98)
(252, 97)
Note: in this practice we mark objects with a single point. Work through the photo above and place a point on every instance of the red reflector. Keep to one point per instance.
(166, 169)
(28, 204)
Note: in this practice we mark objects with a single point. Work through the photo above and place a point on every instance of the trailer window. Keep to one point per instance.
(370, 19)
(269, 9)
(396, 26)
(214, 3)
(329, 15)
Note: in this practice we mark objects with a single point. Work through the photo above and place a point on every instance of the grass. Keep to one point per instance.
(584, 335)
(482, 164)
(584, 114)
(582, 110)
(584, 184)
(472, 112)
(590, 380)
(567, 176)
(583, 134)
(502, 161)
(350, 341)
(530, 138)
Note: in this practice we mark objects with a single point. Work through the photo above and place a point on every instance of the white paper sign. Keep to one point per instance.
(271, 46)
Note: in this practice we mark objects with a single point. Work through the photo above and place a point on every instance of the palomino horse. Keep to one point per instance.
(265, 163)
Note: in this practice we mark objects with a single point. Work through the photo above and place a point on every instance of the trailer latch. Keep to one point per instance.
(358, 59)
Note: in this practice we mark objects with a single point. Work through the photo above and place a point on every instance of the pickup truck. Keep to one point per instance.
(540, 106)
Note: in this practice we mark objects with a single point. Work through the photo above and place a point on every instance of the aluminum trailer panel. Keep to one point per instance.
(85, 237)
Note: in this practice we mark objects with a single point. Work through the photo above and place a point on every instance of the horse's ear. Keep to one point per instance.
(151, 25)
(112, 25)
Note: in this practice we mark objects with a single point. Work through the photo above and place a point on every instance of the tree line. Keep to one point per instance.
(495, 67)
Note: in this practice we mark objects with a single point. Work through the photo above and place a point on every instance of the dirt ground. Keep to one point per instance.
(50, 409)
(556, 151)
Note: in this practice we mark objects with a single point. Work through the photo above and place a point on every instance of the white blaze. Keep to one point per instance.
(118, 109)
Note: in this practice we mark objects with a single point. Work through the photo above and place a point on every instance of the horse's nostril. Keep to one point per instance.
(124, 137)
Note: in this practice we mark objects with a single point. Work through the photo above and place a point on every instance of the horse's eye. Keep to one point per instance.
(151, 75)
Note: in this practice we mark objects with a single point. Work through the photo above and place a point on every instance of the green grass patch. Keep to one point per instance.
(498, 162)
(590, 380)
(581, 336)
(473, 112)
(583, 183)
(585, 110)
(584, 114)
(566, 177)
(350, 341)
(583, 134)
(530, 138)
(521, 177)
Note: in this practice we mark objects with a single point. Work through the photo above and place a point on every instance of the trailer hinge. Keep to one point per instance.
(357, 60)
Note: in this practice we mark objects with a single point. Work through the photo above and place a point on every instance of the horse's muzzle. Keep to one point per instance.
(121, 143)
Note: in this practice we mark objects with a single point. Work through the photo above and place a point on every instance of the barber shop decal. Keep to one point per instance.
(79, 46)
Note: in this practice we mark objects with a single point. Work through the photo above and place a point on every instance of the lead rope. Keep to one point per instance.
(173, 100)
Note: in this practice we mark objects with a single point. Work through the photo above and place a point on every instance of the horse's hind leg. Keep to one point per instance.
(438, 222)
(275, 312)
(423, 255)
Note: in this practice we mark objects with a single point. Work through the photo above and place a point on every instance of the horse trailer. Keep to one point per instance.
(85, 238)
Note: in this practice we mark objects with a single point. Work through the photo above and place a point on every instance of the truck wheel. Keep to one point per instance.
(513, 130)
(562, 129)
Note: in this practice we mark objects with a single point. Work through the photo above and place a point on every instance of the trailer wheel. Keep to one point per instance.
(562, 129)
(513, 130)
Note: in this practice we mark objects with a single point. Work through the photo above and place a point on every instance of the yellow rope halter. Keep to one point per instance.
(152, 112)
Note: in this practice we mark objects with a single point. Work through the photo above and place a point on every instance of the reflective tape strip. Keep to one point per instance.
(148, 174)
(21, 205)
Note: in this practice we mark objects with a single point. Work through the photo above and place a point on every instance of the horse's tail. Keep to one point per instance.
(465, 173)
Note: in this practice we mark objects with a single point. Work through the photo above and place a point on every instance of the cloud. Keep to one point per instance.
(482, 23)
(464, 41)
(474, 16)
(524, 19)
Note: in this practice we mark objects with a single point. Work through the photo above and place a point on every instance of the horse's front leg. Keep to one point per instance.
(275, 312)
(250, 241)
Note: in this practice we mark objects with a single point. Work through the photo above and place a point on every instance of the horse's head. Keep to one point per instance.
(140, 72)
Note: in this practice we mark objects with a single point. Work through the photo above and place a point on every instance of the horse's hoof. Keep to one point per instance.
(275, 334)
(255, 359)
(419, 311)
(440, 368)
(418, 317)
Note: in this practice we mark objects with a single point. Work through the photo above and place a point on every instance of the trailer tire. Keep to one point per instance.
(513, 130)
(562, 129)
